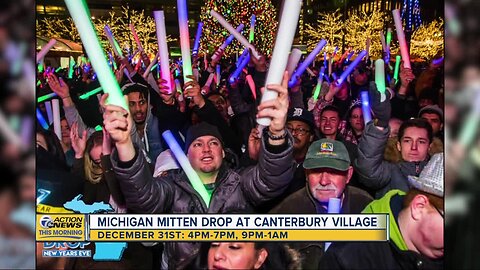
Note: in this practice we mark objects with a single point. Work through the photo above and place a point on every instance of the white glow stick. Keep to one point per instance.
(48, 108)
(209, 80)
(310, 72)
(225, 44)
(152, 63)
(293, 59)
(334, 206)
(163, 48)
(232, 31)
(401, 39)
(283, 44)
(41, 54)
(56, 118)
(382, 39)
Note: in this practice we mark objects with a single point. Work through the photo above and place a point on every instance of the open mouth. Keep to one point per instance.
(207, 159)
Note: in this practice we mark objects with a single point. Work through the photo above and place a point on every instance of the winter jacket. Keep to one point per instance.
(233, 193)
(393, 254)
(376, 173)
(302, 202)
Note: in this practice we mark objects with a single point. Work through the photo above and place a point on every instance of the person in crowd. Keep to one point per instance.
(229, 191)
(352, 127)
(414, 139)
(416, 231)
(328, 171)
(434, 115)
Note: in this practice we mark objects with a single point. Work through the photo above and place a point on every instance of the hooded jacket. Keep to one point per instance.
(393, 254)
(233, 193)
(375, 172)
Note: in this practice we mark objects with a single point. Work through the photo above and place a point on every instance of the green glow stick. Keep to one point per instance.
(319, 84)
(397, 67)
(59, 68)
(389, 37)
(380, 78)
(81, 16)
(91, 93)
(40, 67)
(45, 97)
(39, 83)
(70, 67)
(98, 128)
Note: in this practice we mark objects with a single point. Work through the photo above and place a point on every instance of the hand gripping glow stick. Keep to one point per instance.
(135, 36)
(401, 39)
(91, 93)
(239, 69)
(319, 83)
(225, 44)
(116, 48)
(236, 34)
(380, 78)
(398, 59)
(41, 119)
(45, 97)
(367, 114)
(198, 35)
(184, 39)
(292, 62)
(251, 85)
(283, 44)
(163, 48)
(252, 28)
(81, 16)
(301, 68)
(56, 118)
(41, 54)
(351, 67)
(334, 206)
(182, 159)
(48, 108)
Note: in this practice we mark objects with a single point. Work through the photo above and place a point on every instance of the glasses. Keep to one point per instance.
(299, 131)
(440, 212)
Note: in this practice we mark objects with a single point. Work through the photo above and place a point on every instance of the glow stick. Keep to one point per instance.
(251, 84)
(26, 132)
(198, 35)
(292, 62)
(178, 86)
(225, 44)
(81, 16)
(367, 114)
(252, 28)
(351, 67)
(7, 131)
(283, 43)
(334, 206)
(389, 37)
(182, 159)
(232, 31)
(437, 61)
(98, 128)
(58, 69)
(163, 49)
(70, 67)
(349, 56)
(401, 39)
(330, 67)
(48, 108)
(91, 93)
(242, 57)
(319, 84)
(150, 67)
(116, 48)
(218, 74)
(301, 68)
(239, 69)
(398, 59)
(114, 64)
(382, 40)
(209, 80)
(56, 118)
(195, 74)
(380, 78)
(45, 97)
(310, 72)
(41, 54)
(41, 119)
(40, 66)
(184, 39)
(135, 36)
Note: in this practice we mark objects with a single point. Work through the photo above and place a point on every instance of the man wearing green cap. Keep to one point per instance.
(328, 170)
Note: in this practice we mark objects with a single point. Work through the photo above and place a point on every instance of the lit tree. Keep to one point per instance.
(58, 28)
(237, 12)
(360, 26)
(427, 40)
(328, 27)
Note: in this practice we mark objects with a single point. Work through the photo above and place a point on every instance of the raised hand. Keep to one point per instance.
(254, 143)
(78, 143)
(382, 110)
(58, 86)
(192, 90)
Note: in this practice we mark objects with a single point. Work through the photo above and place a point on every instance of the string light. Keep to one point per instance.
(427, 40)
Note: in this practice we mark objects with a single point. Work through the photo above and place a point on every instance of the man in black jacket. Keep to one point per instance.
(230, 192)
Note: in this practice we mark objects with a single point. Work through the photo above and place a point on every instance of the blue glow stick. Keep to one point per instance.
(218, 74)
(239, 69)
(182, 159)
(242, 56)
(351, 67)
(198, 35)
(334, 207)
(301, 68)
(367, 114)
(252, 28)
(42, 120)
(349, 56)
(48, 108)
(325, 59)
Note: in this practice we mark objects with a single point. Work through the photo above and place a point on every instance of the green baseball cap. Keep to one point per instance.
(327, 153)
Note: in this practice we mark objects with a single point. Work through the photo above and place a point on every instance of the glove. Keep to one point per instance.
(382, 110)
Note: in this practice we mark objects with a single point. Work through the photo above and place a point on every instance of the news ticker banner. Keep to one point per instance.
(173, 227)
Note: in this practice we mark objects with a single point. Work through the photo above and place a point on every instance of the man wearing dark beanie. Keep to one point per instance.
(230, 192)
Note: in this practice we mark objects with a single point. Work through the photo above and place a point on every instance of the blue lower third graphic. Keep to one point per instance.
(109, 251)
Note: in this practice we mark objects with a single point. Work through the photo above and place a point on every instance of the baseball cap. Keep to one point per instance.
(199, 130)
(327, 153)
(431, 109)
(301, 114)
(431, 177)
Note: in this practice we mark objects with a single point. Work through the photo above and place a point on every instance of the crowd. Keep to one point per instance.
(313, 150)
